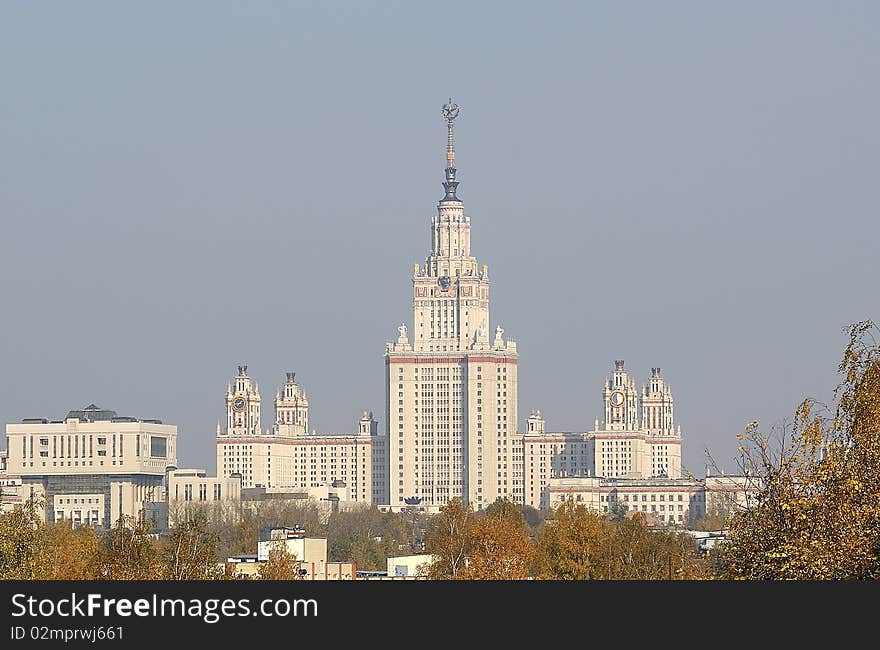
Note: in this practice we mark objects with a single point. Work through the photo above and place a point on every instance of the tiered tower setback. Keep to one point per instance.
(451, 401)
(291, 409)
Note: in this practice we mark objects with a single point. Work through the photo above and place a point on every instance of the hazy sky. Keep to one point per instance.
(189, 186)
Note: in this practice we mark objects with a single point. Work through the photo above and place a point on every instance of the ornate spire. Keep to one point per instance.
(450, 112)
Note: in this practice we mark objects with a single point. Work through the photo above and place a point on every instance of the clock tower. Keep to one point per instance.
(242, 406)
(621, 401)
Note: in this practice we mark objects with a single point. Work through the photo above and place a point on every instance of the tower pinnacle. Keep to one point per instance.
(450, 112)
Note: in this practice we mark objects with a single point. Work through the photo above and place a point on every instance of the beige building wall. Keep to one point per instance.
(379, 454)
(307, 461)
(328, 570)
(304, 549)
(191, 490)
(10, 486)
(728, 494)
(308, 570)
(552, 455)
(408, 565)
(74, 447)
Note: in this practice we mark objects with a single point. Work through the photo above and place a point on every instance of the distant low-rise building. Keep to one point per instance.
(408, 566)
(726, 494)
(294, 541)
(707, 540)
(671, 501)
(191, 490)
(310, 554)
(680, 502)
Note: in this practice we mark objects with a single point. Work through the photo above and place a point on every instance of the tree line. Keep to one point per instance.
(195, 548)
(574, 543)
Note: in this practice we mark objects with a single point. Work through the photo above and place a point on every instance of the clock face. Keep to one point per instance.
(616, 398)
(238, 403)
(443, 281)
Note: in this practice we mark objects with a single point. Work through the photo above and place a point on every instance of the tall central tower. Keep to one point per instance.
(451, 408)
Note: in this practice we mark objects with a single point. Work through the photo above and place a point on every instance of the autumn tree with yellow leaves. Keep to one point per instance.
(500, 547)
(578, 543)
(129, 552)
(23, 544)
(569, 545)
(73, 551)
(817, 514)
(281, 565)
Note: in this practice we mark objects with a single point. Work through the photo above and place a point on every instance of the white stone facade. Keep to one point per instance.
(10, 485)
(93, 466)
(674, 502)
(451, 386)
(637, 440)
(189, 490)
(287, 455)
(728, 493)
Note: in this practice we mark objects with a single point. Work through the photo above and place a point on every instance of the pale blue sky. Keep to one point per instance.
(185, 187)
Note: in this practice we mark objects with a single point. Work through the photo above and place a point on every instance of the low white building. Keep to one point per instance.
(408, 566)
(726, 494)
(310, 554)
(93, 466)
(679, 502)
(192, 490)
(294, 540)
(671, 501)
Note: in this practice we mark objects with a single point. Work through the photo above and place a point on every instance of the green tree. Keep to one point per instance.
(617, 511)
(505, 509)
(534, 518)
(367, 553)
(714, 520)
(579, 544)
(636, 552)
(366, 536)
